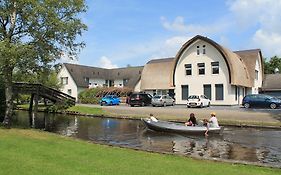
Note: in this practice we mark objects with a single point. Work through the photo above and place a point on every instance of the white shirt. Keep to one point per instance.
(214, 122)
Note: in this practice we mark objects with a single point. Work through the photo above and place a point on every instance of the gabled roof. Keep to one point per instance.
(238, 73)
(157, 74)
(80, 72)
(272, 82)
(249, 58)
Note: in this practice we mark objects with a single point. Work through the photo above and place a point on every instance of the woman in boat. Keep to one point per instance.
(192, 120)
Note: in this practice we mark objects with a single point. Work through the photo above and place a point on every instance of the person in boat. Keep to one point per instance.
(192, 120)
(212, 122)
(206, 123)
(153, 118)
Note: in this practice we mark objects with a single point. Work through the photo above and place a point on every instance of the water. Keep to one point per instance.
(260, 146)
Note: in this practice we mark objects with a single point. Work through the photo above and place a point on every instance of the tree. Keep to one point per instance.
(33, 34)
(272, 64)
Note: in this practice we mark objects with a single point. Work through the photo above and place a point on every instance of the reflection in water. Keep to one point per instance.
(252, 145)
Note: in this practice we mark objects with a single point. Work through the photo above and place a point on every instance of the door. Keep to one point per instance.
(184, 92)
(207, 91)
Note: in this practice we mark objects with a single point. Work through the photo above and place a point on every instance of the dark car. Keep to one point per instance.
(261, 100)
(140, 99)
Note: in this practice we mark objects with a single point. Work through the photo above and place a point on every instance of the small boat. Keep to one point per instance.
(165, 126)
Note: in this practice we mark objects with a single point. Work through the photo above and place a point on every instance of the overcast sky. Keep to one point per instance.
(122, 32)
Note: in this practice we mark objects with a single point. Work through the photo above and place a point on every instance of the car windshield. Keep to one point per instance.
(193, 97)
(157, 96)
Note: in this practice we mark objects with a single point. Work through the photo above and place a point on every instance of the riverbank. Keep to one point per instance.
(37, 152)
(228, 116)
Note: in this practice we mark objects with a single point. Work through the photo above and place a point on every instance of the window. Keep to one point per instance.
(215, 67)
(125, 82)
(64, 80)
(219, 91)
(184, 92)
(69, 91)
(204, 49)
(198, 50)
(256, 74)
(207, 91)
(201, 68)
(87, 80)
(188, 69)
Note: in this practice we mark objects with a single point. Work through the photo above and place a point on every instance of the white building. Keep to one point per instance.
(76, 78)
(202, 66)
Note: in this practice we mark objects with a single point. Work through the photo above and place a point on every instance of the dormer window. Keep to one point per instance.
(256, 74)
(204, 49)
(198, 50)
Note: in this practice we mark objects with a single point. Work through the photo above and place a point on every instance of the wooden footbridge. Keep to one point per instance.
(39, 90)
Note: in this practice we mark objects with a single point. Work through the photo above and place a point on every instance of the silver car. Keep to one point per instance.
(162, 100)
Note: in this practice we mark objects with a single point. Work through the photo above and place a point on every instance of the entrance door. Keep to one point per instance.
(207, 91)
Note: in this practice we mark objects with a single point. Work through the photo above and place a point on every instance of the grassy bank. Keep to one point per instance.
(34, 152)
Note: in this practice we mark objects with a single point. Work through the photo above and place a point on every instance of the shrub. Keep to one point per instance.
(93, 95)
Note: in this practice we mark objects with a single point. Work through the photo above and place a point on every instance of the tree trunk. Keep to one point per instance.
(9, 97)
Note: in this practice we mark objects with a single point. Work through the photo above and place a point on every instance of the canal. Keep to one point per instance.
(252, 145)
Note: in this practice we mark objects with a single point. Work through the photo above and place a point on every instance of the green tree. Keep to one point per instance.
(272, 64)
(34, 33)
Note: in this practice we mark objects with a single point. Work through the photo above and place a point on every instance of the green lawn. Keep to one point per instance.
(36, 152)
(86, 110)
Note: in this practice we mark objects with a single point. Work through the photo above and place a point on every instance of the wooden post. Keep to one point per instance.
(36, 104)
(31, 103)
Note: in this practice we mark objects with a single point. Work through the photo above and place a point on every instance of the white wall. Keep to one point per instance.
(195, 81)
(118, 82)
(96, 82)
(71, 84)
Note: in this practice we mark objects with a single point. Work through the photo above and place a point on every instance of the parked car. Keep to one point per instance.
(261, 100)
(198, 101)
(110, 100)
(162, 100)
(140, 99)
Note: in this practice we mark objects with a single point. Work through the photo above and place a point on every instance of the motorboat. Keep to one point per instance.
(166, 126)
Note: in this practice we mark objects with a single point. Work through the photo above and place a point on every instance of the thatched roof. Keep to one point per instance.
(79, 72)
(272, 82)
(238, 73)
(249, 58)
(157, 74)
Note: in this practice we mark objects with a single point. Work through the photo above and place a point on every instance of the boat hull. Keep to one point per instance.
(164, 126)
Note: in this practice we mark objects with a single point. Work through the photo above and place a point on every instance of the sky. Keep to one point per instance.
(132, 32)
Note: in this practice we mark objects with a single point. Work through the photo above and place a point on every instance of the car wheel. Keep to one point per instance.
(247, 105)
(209, 104)
(153, 105)
(164, 104)
(142, 104)
(132, 105)
(201, 105)
(173, 104)
(273, 105)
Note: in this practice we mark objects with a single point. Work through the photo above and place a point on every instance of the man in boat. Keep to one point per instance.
(192, 120)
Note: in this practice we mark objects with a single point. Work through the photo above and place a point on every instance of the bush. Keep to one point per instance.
(93, 95)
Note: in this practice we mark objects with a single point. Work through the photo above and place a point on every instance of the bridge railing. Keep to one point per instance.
(43, 91)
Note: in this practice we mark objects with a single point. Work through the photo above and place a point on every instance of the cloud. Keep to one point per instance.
(105, 62)
(264, 16)
(65, 58)
(179, 25)
(269, 41)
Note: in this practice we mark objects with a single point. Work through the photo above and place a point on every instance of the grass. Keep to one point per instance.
(87, 110)
(35, 152)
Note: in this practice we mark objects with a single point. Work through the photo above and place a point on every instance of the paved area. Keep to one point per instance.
(181, 112)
